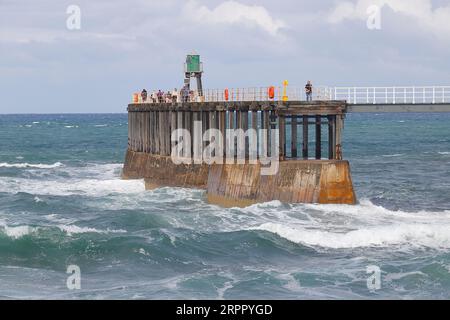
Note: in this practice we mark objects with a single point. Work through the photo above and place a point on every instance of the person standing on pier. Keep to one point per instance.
(144, 95)
(175, 96)
(309, 91)
(185, 94)
(160, 96)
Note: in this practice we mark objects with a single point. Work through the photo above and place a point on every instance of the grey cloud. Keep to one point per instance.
(127, 45)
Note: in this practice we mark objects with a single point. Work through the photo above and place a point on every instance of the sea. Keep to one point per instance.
(70, 228)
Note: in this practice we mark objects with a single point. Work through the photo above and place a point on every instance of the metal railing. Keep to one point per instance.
(240, 95)
(353, 95)
(392, 95)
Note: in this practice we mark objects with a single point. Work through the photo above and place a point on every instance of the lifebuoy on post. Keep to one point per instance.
(226, 94)
(271, 93)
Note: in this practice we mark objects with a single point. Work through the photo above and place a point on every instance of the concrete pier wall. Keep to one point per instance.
(297, 181)
(160, 171)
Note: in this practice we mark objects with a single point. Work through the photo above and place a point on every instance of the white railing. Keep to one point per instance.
(392, 95)
(353, 95)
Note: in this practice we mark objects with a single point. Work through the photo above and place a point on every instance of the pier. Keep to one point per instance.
(303, 141)
(243, 146)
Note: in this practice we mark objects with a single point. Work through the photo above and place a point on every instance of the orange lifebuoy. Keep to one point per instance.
(271, 93)
(135, 97)
(227, 94)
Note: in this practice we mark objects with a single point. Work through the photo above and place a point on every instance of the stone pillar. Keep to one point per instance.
(305, 137)
(318, 137)
(294, 137)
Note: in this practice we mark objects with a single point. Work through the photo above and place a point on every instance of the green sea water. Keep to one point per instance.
(62, 203)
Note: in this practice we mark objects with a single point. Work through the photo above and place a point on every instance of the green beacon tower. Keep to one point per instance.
(193, 68)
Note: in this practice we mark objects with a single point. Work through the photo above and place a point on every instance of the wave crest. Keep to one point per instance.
(414, 234)
(359, 226)
(30, 165)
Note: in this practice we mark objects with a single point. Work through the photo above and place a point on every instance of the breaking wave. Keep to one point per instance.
(359, 226)
(417, 235)
(87, 187)
(72, 229)
(94, 180)
(17, 232)
(29, 165)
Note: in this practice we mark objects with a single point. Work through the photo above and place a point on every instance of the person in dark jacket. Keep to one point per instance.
(144, 95)
(309, 91)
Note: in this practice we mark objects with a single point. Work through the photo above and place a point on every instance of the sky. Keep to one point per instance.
(50, 63)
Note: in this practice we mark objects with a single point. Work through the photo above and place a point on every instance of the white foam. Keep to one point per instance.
(30, 165)
(444, 153)
(72, 229)
(383, 236)
(359, 226)
(392, 155)
(142, 251)
(95, 180)
(265, 205)
(15, 232)
(100, 125)
(367, 212)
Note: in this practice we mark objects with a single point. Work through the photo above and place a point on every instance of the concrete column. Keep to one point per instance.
(130, 130)
(152, 132)
(238, 119)
(331, 137)
(168, 133)
(212, 121)
(294, 137)
(338, 136)
(244, 119)
(231, 124)
(139, 134)
(273, 126)
(157, 145)
(305, 137)
(145, 125)
(161, 124)
(318, 137)
(189, 127)
(282, 137)
(221, 125)
(255, 127)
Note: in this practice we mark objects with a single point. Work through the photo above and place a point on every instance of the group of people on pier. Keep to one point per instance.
(175, 96)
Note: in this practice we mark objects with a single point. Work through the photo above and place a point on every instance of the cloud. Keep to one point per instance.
(126, 46)
(234, 13)
(421, 11)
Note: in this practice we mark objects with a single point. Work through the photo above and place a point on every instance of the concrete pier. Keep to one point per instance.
(306, 172)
